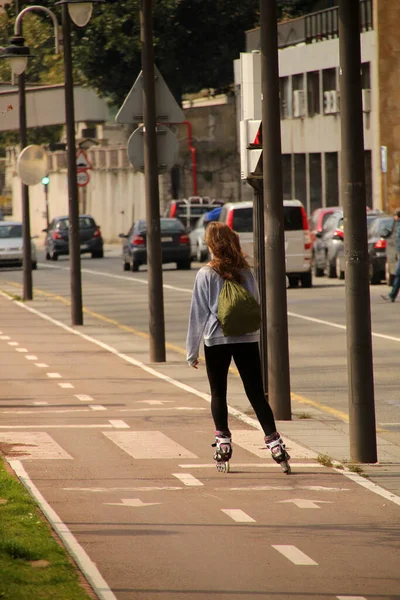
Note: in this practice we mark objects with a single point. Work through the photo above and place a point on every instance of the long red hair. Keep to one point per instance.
(228, 259)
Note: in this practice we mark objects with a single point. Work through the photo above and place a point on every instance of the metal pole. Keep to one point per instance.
(46, 200)
(26, 225)
(259, 268)
(277, 326)
(359, 344)
(73, 202)
(154, 256)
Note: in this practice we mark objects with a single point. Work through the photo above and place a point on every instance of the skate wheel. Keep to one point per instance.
(223, 467)
(286, 467)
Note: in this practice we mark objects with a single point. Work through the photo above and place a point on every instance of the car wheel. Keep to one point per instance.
(374, 276)
(98, 254)
(293, 281)
(183, 265)
(126, 266)
(135, 266)
(339, 272)
(34, 265)
(306, 280)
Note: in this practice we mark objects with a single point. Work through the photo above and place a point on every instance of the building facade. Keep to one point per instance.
(310, 104)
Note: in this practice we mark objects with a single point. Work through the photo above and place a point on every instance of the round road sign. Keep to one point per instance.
(167, 149)
(82, 178)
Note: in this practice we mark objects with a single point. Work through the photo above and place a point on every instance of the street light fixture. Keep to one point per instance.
(18, 55)
(79, 13)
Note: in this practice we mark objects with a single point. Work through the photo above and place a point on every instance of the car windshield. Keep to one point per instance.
(167, 226)
(293, 218)
(10, 231)
(84, 223)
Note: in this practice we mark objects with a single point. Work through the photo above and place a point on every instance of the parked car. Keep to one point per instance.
(198, 248)
(317, 221)
(57, 237)
(11, 245)
(392, 255)
(327, 245)
(377, 223)
(175, 245)
(239, 216)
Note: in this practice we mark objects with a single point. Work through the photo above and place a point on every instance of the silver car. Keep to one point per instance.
(198, 248)
(11, 245)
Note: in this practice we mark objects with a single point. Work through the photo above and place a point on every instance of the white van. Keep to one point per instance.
(239, 217)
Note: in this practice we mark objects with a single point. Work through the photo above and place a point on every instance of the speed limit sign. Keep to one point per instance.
(82, 177)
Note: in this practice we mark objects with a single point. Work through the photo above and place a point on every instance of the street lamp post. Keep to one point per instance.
(80, 13)
(17, 53)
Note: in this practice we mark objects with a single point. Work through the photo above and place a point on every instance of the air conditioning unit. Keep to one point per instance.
(331, 102)
(366, 101)
(298, 104)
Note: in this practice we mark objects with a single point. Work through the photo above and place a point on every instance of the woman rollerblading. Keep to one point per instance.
(225, 313)
(223, 450)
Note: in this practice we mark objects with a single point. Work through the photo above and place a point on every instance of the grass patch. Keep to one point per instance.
(304, 415)
(26, 537)
(325, 460)
(13, 296)
(355, 468)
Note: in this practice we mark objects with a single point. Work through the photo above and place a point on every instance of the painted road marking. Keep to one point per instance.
(50, 410)
(119, 424)
(188, 479)
(154, 402)
(66, 386)
(54, 375)
(46, 426)
(351, 598)
(85, 564)
(35, 445)
(5, 337)
(303, 503)
(13, 343)
(267, 488)
(148, 444)
(124, 489)
(97, 407)
(238, 515)
(31, 357)
(41, 365)
(296, 556)
(40, 403)
(21, 350)
(271, 465)
(148, 408)
(84, 397)
(252, 441)
(132, 502)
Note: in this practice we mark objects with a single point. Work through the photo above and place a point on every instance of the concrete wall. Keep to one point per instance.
(387, 23)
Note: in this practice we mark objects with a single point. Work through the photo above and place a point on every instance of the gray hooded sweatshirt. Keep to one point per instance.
(203, 319)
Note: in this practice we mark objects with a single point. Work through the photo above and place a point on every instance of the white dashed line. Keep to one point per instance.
(5, 337)
(54, 375)
(119, 424)
(187, 479)
(31, 357)
(40, 403)
(104, 426)
(351, 598)
(66, 386)
(84, 398)
(253, 465)
(13, 343)
(296, 556)
(238, 515)
(97, 407)
(21, 350)
(41, 365)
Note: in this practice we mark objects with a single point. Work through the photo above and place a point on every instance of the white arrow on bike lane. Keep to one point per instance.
(132, 502)
(303, 503)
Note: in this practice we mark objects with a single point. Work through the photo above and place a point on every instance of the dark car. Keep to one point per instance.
(175, 245)
(378, 231)
(57, 237)
(392, 255)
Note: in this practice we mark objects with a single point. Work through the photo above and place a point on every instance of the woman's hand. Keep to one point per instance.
(195, 364)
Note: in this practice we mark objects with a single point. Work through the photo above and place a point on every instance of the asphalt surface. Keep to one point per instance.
(120, 449)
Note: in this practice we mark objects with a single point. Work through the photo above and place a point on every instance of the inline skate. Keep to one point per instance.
(278, 451)
(223, 450)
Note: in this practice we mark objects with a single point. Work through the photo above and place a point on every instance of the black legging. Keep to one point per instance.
(247, 359)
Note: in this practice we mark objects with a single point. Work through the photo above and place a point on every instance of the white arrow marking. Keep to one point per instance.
(154, 402)
(303, 503)
(134, 502)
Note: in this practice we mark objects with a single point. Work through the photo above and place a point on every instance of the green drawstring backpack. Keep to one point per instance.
(238, 310)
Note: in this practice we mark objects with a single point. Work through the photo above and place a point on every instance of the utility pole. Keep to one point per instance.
(358, 310)
(153, 233)
(277, 326)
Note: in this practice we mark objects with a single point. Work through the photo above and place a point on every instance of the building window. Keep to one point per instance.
(284, 89)
(299, 102)
(300, 180)
(315, 174)
(287, 176)
(330, 91)
(332, 179)
(366, 76)
(313, 96)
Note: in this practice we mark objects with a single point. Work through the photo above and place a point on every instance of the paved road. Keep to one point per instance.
(122, 455)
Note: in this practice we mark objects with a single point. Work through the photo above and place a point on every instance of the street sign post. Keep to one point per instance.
(167, 149)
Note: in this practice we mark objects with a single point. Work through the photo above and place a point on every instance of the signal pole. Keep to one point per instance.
(277, 326)
(359, 342)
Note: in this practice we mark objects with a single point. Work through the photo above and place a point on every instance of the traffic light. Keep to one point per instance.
(46, 180)
(251, 149)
